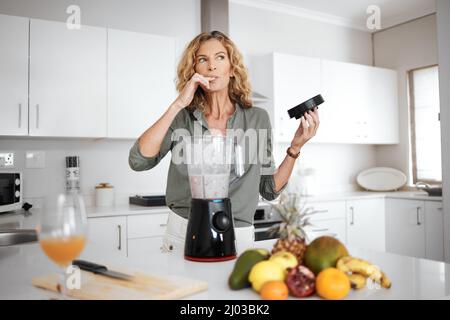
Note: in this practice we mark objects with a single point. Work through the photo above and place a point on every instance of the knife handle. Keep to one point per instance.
(89, 266)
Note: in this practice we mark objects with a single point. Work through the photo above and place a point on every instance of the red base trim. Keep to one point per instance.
(215, 259)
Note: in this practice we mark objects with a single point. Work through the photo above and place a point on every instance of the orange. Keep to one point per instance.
(274, 290)
(332, 284)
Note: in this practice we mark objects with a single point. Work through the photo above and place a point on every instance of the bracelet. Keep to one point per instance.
(292, 155)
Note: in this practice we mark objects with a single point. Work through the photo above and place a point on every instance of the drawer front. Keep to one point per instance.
(138, 248)
(335, 228)
(327, 210)
(149, 225)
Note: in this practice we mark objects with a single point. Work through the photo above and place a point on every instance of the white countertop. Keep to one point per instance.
(131, 209)
(412, 278)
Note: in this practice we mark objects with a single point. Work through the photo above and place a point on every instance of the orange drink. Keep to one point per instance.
(63, 250)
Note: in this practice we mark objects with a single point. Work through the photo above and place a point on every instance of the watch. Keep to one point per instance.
(292, 155)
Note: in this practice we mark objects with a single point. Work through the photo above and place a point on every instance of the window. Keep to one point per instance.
(425, 126)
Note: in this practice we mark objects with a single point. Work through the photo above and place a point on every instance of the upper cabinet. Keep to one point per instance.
(67, 80)
(13, 75)
(361, 104)
(360, 101)
(141, 81)
(90, 82)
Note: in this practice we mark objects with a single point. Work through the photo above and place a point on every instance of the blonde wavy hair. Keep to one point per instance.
(239, 88)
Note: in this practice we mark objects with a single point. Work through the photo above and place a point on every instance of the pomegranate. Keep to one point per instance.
(301, 281)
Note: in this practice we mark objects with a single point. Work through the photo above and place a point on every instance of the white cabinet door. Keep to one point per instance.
(13, 75)
(346, 92)
(144, 247)
(108, 234)
(141, 73)
(67, 80)
(295, 80)
(366, 224)
(405, 229)
(434, 231)
(382, 125)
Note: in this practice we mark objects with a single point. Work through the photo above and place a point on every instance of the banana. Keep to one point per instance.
(351, 265)
(357, 281)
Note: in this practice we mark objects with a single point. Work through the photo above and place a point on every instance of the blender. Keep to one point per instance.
(210, 230)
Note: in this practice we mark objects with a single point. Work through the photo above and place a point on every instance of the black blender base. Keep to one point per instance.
(210, 231)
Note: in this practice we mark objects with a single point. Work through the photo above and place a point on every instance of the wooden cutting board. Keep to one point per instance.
(142, 287)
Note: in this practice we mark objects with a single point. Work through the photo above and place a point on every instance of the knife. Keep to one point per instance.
(99, 269)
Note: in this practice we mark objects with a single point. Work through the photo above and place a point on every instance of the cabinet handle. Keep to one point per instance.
(163, 225)
(20, 115)
(37, 116)
(418, 216)
(320, 230)
(440, 208)
(119, 227)
(352, 216)
(321, 211)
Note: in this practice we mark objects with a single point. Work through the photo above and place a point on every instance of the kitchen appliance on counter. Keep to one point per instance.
(148, 201)
(11, 191)
(210, 230)
(432, 190)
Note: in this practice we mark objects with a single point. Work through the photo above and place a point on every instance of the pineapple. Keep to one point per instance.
(292, 230)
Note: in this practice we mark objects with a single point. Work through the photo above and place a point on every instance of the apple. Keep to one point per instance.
(284, 259)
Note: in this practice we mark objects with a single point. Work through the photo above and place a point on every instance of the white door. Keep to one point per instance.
(382, 122)
(67, 80)
(366, 224)
(141, 86)
(13, 75)
(295, 80)
(107, 235)
(346, 90)
(405, 228)
(434, 230)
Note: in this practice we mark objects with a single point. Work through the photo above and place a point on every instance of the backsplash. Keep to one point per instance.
(105, 160)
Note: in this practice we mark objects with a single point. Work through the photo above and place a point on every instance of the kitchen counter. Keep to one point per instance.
(131, 209)
(412, 278)
(354, 195)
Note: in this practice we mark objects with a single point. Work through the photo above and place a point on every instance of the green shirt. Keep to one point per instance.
(243, 192)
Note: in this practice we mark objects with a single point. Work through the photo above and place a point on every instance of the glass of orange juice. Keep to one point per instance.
(62, 231)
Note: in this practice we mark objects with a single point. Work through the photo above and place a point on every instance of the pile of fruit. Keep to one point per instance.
(326, 269)
(293, 268)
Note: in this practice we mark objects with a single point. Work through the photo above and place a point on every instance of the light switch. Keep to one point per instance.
(35, 159)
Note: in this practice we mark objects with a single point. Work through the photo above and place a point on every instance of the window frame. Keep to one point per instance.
(412, 125)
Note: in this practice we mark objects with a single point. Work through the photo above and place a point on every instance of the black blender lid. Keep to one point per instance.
(299, 111)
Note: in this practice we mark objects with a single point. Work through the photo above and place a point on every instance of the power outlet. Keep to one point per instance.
(35, 159)
(6, 159)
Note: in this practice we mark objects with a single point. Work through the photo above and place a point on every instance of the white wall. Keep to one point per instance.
(257, 31)
(104, 159)
(443, 30)
(405, 47)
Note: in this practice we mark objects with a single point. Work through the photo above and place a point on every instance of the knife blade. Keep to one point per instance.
(100, 269)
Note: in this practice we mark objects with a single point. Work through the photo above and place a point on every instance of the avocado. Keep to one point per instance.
(239, 276)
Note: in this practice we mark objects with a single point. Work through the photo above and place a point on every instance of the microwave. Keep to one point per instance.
(11, 192)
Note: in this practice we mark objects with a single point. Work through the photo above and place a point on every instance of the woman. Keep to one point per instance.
(214, 92)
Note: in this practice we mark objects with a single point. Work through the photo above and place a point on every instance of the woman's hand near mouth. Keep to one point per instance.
(187, 94)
